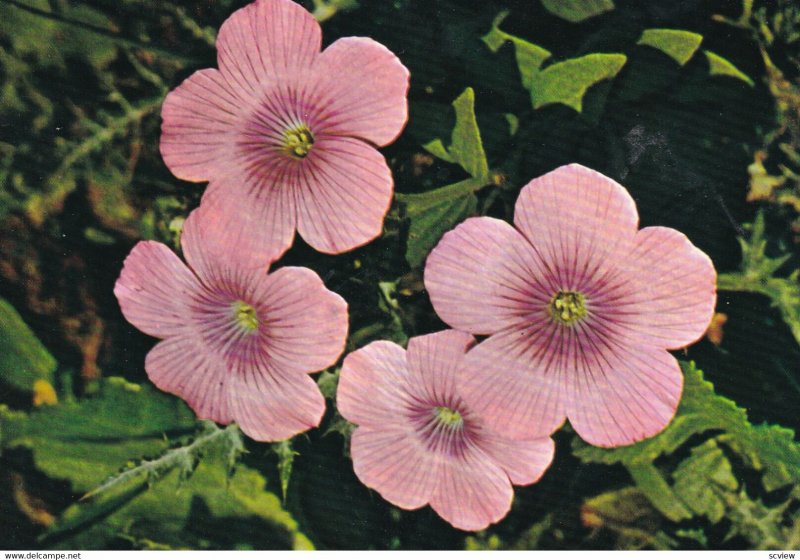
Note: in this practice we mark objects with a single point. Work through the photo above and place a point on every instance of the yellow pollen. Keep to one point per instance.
(568, 307)
(245, 316)
(298, 141)
(447, 416)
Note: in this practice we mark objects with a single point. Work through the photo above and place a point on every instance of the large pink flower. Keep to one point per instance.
(286, 134)
(238, 342)
(581, 308)
(418, 443)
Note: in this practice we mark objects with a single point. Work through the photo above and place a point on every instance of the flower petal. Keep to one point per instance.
(434, 362)
(674, 290)
(183, 366)
(580, 222)
(516, 384)
(373, 384)
(390, 462)
(483, 276)
(272, 404)
(267, 41)
(252, 221)
(363, 88)
(155, 290)
(306, 324)
(524, 461)
(473, 492)
(343, 194)
(623, 396)
(200, 121)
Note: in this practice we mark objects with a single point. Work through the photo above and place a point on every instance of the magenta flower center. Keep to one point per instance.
(298, 141)
(245, 316)
(568, 307)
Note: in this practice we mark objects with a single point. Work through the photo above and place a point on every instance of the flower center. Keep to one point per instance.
(568, 307)
(245, 316)
(298, 141)
(448, 417)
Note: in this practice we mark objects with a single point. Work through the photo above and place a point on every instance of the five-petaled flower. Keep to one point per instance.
(286, 134)
(419, 443)
(238, 342)
(581, 308)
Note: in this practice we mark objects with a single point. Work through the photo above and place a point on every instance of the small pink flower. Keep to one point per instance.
(580, 306)
(286, 134)
(238, 342)
(418, 443)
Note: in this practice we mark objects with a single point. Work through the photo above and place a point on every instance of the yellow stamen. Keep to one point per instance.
(449, 417)
(568, 307)
(245, 316)
(298, 141)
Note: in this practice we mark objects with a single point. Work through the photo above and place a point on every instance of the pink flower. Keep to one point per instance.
(238, 342)
(580, 306)
(418, 443)
(286, 134)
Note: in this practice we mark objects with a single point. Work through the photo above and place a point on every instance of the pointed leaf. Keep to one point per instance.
(529, 57)
(567, 82)
(23, 359)
(678, 44)
(577, 10)
(718, 66)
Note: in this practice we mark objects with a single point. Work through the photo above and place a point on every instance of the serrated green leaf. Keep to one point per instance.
(286, 455)
(529, 57)
(718, 66)
(699, 478)
(568, 81)
(678, 44)
(577, 10)
(23, 359)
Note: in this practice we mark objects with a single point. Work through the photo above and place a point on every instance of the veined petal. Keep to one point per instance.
(183, 366)
(483, 277)
(155, 290)
(434, 363)
(267, 41)
(624, 395)
(373, 385)
(270, 403)
(473, 492)
(390, 462)
(305, 323)
(363, 87)
(670, 291)
(524, 461)
(343, 192)
(201, 120)
(579, 221)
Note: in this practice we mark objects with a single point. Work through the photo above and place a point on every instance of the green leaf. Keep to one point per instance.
(718, 66)
(678, 44)
(529, 57)
(699, 478)
(286, 455)
(577, 10)
(568, 81)
(466, 147)
(433, 213)
(23, 359)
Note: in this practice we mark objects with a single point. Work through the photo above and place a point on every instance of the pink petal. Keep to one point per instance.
(674, 290)
(622, 396)
(373, 385)
(155, 290)
(201, 119)
(483, 276)
(271, 404)
(363, 87)
(434, 362)
(182, 365)
(516, 385)
(267, 41)
(343, 194)
(473, 492)
(252, 220)
(306, 324)
(390, 462)
(580, 222)
(524, 461)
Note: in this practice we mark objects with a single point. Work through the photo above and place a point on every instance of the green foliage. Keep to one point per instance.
(434, 212)
(568, 81)
(678, 44)
(23, 359)
(578, 10)
(757, 275)
(529, 57)
(703, 484)
(718, 66)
